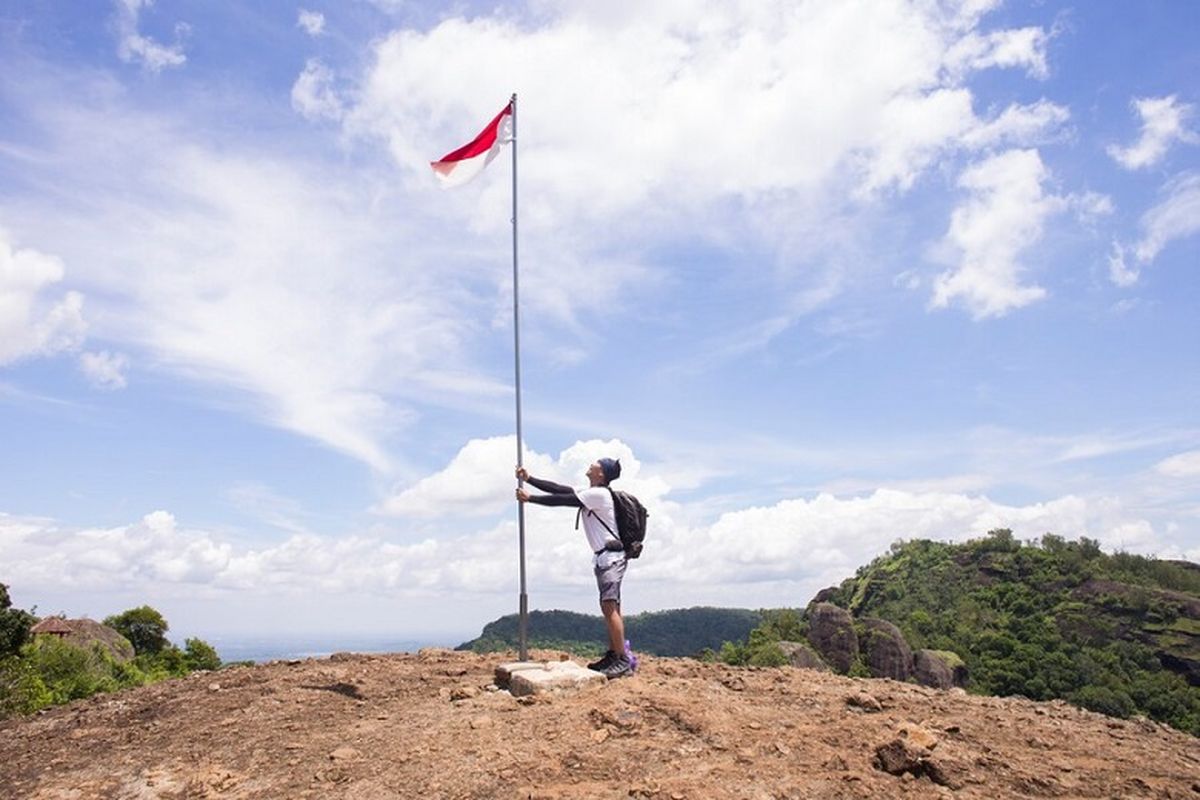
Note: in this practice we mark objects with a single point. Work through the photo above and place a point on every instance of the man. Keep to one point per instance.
(595, 504)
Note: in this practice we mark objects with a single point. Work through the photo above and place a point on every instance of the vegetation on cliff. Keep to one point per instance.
(1118, 633)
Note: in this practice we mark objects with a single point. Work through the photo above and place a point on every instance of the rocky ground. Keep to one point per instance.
(429, 725)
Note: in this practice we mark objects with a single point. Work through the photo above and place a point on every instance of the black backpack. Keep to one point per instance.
(631, 521)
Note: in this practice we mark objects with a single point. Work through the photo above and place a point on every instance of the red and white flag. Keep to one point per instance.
(460, 166)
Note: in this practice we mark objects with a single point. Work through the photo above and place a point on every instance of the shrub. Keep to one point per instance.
(22, 690)
(1113, 702)
(199, 654)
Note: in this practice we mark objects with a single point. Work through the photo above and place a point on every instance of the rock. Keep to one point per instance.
(825, 594)
(463, 693)
(940, 669)
(345, 753)
(799, 654)
(916, 735)
(864, 701)
(836, 763)
(904, 758)
(86, 632)
(898, 757)
(831, 633)
(887, 653)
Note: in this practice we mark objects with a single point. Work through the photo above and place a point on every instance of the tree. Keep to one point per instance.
(14, 625)
(199, 654)
(145, 628)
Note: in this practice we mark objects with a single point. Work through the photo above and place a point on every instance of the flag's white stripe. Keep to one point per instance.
(456, 173)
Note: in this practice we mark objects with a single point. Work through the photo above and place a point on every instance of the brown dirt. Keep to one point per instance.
(426, 725)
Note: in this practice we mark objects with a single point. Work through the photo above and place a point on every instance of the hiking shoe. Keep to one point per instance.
(619, 668)
(604, 661)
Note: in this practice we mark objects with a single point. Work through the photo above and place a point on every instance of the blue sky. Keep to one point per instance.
(824, 275)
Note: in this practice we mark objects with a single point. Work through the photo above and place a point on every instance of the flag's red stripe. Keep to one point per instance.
(480, 144)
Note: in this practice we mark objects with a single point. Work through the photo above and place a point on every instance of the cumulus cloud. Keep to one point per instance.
(1164, 122)
(313, 93)
(313, 22)
(133, 47)
(790, 548)
(1177, 216)
(1003, 216)
(1181, 465)
(738, 84)
(479, 479)
(105, 370)
(276, 278)
(32, 321)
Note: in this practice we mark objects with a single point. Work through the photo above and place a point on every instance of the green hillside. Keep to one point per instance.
(679, 632)
(1116, 633)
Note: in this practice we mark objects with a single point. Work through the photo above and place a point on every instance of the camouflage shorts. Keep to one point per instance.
(608, 579)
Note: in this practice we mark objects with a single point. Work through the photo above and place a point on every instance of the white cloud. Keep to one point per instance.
(1180, 465)
(277, 278)
(273, 279)
(1021, 124)
(133, 47)
(1023, 47)
(31, 323)
(313, 22)
(479, 479)
(1119, 271)
(313, 94)
(709, 106)
(788, 550)
(989, 231)
(1163, 123)
(1176, 217)
(104, 369)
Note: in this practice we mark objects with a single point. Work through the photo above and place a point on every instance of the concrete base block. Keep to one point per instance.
(547, 677)
(504, 672)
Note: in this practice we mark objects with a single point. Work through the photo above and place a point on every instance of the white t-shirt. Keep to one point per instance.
(598, 501)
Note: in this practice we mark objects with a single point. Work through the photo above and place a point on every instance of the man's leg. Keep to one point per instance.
(616, 626)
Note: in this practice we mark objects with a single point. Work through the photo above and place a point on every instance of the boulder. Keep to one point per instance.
(799, 654)
(887, 653)
(86, 632)
(940, 669)
(831, 633)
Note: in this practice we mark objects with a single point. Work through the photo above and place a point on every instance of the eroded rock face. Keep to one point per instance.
(940, 669)
(887, 653)
(799, 654)
(831, 633)
(86, 632)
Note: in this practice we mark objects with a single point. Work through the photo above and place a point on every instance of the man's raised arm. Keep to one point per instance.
(557, 494)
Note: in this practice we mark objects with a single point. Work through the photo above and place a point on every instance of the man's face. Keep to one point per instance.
(595, 473)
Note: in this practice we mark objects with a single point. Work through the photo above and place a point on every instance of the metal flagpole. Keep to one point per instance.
(523, 624)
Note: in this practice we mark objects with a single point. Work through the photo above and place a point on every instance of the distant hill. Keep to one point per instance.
(1049, 619)
(679, 632)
